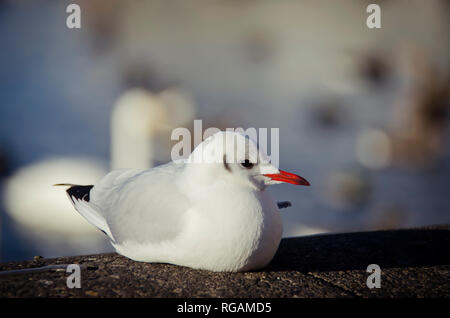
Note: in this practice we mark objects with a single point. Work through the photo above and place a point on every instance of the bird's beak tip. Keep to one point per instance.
(288, 177)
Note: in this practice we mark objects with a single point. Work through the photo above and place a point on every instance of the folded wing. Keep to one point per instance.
(142, 206)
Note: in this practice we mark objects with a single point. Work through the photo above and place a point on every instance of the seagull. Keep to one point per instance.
(210, 211)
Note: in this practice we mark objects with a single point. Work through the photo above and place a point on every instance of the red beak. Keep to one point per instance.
(287, 177)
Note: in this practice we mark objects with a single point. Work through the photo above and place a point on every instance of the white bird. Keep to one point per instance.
(209, 211)
(45, 216)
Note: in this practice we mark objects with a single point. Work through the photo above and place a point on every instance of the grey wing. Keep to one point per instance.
(142, 205)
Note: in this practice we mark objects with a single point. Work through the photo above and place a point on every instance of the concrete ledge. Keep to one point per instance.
(414, 263)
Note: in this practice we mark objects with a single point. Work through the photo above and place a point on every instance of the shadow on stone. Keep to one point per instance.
(351, 251)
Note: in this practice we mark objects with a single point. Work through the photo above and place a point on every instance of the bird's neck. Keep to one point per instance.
(130, 148)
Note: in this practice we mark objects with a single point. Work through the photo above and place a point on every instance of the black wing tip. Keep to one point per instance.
(80, 192)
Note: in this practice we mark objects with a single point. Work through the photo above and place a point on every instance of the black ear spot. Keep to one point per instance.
(225, 164)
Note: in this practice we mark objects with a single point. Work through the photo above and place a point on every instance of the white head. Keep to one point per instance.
(234, 157)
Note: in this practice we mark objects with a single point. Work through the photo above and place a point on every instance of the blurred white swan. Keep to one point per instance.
(43, 212)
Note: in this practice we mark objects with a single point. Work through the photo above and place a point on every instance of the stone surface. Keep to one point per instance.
(414, 263)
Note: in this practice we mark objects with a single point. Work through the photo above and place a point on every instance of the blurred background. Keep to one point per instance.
(363, 113)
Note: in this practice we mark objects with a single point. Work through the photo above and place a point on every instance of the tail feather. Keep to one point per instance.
(79, 195)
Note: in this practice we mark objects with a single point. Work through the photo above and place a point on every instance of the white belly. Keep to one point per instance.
(231, 233)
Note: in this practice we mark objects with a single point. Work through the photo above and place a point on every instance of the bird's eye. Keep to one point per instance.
(247, 164)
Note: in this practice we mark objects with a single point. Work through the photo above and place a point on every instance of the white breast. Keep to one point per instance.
(227, 230)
